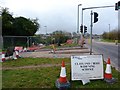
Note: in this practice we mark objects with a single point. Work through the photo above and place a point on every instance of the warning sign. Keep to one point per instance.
(89, 66)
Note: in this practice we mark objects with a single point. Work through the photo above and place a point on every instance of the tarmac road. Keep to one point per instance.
(108, 50)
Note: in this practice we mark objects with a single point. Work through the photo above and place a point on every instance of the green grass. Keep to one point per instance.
(70, 45)
(30, 78)
(33, 61)
(64, 45)
(45, 77)
(108, 40)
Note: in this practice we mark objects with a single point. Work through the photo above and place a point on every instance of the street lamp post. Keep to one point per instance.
(109, 31)
(46, 34)
(78, 22)
(78, 19)
(46, 29)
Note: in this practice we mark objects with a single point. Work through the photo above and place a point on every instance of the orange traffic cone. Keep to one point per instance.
(3, 56)
(63, 78)
(108, 72)
(62, 83)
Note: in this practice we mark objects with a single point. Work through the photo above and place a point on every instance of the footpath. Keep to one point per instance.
(59, 53)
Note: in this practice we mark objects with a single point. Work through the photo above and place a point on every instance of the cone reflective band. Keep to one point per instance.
(108, 72)
(63, 78)
(63, 72)
(3, 56)
(108, 69)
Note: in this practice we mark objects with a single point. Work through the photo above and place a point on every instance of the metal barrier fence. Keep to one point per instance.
(25, 41)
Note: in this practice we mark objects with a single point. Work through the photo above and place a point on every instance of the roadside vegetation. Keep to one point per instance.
(61, 46)
(45, 77)
(112, 36)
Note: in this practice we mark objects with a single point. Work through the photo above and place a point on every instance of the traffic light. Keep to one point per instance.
(119, 5)
(95, 17)
(116, 6)
(81, 28)
(85, 29)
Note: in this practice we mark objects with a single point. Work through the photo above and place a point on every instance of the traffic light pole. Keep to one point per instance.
(92, 22)
(78, 23)
(91, 33)
(93, 8)
(78, 19)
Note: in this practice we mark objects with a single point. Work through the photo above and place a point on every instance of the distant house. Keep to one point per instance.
(69, 41)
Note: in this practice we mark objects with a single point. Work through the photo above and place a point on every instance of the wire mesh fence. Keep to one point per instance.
(38, 40)
(24, 41)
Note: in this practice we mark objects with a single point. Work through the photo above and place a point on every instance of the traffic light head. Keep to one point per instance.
(85, 29)
(95, 17)
(117, 6)
(81, 28)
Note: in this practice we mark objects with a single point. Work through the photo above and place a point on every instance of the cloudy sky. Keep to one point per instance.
(62, 14)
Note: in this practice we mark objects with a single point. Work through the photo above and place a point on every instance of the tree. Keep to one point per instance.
(18, 26)
(112, 35)
(25, 27)
(60, 37)
(7, 22)
(104, 35)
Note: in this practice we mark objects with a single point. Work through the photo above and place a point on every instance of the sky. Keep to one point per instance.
(62, 14)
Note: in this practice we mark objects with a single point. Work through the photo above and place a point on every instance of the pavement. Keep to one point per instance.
(58, 54)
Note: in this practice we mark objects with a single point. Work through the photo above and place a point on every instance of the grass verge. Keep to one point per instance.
(45, 77)
(108, 40)
(33, 61)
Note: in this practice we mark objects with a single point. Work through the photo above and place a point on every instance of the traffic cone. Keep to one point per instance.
(14, 56)
(25, 49)
(17, 54)
(108, 73)
(3, 56)
(63, 78)
(62, 82)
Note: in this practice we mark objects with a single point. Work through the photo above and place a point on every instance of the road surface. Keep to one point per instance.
(108, 50)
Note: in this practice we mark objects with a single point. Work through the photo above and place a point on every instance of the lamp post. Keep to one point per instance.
(109, 30)
(46, 29)
(78, 19)
(46, 34)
